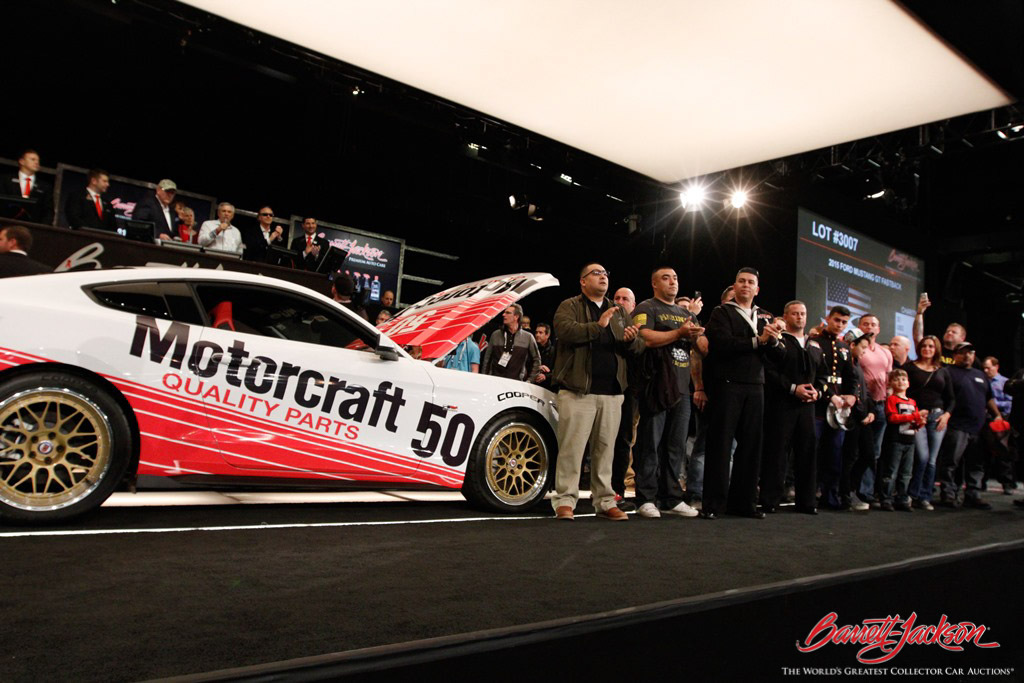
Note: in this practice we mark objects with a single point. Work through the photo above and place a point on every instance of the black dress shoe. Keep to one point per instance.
(707, 514)
(751, 514)
(769, 509)
(807, 511)
(977, 504)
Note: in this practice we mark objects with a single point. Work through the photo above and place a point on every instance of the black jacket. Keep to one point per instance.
(149, 209)
(42, 193)
(734, 355)
(256, 247)
(298, 246)
(13, 265)
(800, 365)
(80, 211)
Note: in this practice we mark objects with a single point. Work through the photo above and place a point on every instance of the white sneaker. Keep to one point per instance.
(648, 510)
(859, 506)
(683, 510)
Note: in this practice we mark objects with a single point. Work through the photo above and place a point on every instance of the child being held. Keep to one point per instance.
(898, 461)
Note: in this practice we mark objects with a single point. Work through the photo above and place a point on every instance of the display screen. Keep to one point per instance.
(840, 266)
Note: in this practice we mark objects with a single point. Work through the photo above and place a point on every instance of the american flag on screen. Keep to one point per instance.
(838, 293)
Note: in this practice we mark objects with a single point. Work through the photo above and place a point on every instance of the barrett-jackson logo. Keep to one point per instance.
(885, 638)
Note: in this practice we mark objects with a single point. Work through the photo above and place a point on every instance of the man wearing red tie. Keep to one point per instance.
(88, 209)
(27, 185)
(309, 247)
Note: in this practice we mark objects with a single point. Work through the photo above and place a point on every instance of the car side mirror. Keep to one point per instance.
(387, 353)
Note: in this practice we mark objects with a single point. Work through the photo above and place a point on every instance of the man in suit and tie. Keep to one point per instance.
(88, 209)
(158, 209)
(309, 246)
(15, 241)
(27, 184)
(790, 392)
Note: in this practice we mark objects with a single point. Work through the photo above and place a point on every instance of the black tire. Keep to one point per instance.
(64, 447)
(512, 464)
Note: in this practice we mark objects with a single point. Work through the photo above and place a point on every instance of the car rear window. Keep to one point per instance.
(137, 298)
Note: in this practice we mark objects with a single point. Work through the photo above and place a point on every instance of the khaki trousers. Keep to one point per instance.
(584, 418)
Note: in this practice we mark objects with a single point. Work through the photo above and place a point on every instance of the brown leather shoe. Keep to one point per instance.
(614, 514)
(563, 512)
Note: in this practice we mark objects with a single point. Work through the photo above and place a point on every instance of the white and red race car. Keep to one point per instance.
(210, 376)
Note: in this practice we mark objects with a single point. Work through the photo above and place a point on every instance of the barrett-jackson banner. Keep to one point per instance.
(65, 249)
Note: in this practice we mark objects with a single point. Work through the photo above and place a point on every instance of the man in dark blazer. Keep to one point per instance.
(790, 393)
(309, 247)
(266, 235)
(88, 209)
(27, 184)
(158, 208)
(15, 241)
(740, 336)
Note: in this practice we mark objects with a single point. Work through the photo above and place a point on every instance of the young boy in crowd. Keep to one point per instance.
(898, 460)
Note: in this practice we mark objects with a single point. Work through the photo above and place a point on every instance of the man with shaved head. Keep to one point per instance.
(900, 348)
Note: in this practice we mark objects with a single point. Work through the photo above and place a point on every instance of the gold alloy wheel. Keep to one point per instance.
(517, 464)
(55, 447)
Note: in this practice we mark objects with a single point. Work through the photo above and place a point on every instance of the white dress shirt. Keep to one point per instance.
(229, 240)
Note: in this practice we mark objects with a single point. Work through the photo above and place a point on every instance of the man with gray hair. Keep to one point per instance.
(220, 233)
(512, 351)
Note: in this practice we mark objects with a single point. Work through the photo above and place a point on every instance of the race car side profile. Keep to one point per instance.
(212, 377)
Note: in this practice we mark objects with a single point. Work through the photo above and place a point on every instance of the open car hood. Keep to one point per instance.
(439, 322)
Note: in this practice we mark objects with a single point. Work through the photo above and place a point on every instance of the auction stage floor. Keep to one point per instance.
(174, 583)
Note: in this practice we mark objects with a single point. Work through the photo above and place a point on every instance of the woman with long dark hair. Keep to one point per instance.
(932, 390)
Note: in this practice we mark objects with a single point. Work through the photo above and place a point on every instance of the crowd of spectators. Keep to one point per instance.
(172, 219)
(826, 417)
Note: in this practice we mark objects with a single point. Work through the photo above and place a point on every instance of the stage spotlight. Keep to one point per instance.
(738, 199)
(512, 201)
(692, 198)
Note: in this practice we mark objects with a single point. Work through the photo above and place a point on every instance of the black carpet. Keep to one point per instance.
(137, 606)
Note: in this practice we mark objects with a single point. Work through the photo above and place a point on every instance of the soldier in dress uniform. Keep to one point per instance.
(835, 383)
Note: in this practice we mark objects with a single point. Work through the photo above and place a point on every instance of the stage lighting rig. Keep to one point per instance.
(693, 197)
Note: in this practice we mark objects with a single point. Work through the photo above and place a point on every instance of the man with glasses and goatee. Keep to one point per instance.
(590, 369)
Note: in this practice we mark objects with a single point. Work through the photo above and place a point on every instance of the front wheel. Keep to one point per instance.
(510, 468)
(64, 446)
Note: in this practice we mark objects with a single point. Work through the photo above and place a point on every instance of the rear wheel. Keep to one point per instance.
(64, 446)
(511, 465)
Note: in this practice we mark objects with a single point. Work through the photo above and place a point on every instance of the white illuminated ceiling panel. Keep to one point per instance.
(669, 89)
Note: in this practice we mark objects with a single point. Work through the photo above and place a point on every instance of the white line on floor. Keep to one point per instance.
(254, 527)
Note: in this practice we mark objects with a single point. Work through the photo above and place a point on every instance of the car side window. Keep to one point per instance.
(141, 298)
(280, 314)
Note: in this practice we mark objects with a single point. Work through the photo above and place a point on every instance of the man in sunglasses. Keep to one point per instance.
(258, 245)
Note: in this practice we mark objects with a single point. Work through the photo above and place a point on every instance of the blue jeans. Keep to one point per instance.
(660, 454)
(896, 468)
(927, 442)
(867, 485)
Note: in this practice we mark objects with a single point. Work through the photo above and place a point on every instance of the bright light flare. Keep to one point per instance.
(693, 197)
(738, 199)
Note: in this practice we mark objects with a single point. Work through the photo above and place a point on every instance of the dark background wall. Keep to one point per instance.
(157, 89)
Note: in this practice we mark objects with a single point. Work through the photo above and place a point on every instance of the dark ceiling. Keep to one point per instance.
(153, 88)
